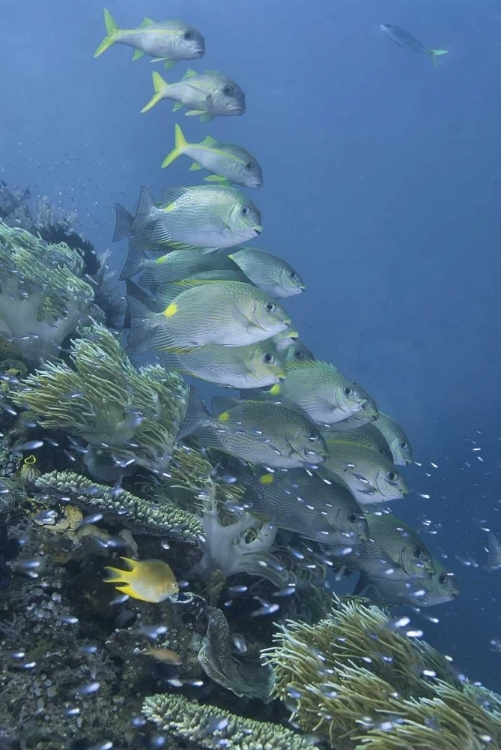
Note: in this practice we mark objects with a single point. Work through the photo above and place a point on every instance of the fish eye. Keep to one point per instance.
(228, 90)
(391, 476)
(404, 445)
(188, 35)
(442, 578)
(352, 517)
(244, 210)
(348, 391)
(270, 306)
(417, 552)
(268, 358)
(292, 274)
(250, 165)
(298, 354)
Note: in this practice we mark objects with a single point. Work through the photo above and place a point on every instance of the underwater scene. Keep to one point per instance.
(250, 366)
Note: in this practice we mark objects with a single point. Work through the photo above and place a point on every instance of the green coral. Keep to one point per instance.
(130, 416)
(131, 511)
(359, 683)
(43, 298)
(213, 728)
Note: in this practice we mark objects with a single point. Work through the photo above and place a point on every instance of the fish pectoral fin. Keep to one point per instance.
(217, 178)
(194, 112)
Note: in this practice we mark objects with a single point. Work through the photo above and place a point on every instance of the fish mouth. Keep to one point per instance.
(198, 52)
(236, 110)
(257, 228)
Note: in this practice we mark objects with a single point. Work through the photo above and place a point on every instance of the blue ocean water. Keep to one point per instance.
(382, 186)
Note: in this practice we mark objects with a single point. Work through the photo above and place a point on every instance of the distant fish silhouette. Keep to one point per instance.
(406, 40)
(494, 553)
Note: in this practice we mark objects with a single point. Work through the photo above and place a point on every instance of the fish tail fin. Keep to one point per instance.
(143, 212)
(123, 225)
(136, 259)
(434, 53)
(180, 143)
(111, 31)
(196, 416)
(159, 86)
(140, 313)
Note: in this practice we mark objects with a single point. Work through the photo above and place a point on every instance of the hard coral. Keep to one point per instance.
(129, 510)
(213, 728)
(358, 683)
(43, 298)
(129, 416)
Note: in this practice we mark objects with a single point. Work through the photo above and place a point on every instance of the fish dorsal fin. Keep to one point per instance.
(146, 22)
(167, 295)
(208, 141)
(170, 195)
(222, 404)
(189, 74)
(309, 364)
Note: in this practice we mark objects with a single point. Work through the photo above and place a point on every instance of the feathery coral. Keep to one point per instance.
(213, 728)
(361, 685)
(43, 298)
(132, 415)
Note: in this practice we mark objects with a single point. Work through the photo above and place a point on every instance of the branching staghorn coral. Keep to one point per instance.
(43, 298)
(133, 512)
(132, 416)
(358, 683)
(214, 729)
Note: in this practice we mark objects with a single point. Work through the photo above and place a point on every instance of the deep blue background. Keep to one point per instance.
(382, 186)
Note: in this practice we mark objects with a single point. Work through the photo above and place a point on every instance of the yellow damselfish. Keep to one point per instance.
(147, 580)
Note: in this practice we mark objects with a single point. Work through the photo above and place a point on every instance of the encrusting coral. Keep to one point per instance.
(128, 417)
(122, 506)
(43, 297)
(213, 728)
(358, 683)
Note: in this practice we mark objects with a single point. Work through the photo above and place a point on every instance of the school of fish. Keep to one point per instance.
(310, 446)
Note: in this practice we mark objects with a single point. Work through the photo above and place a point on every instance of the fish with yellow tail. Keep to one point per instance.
(206, 94)
(227, 162)
(167, 41)
(148, 580)
(404, 39)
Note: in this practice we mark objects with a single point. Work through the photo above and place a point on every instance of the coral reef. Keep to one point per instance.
(242, 676)
(128, 417)
(43, 297)
(118, 507)
(358, 683)
(213, 728)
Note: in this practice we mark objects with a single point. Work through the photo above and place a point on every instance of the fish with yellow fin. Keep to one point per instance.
(147, 580)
